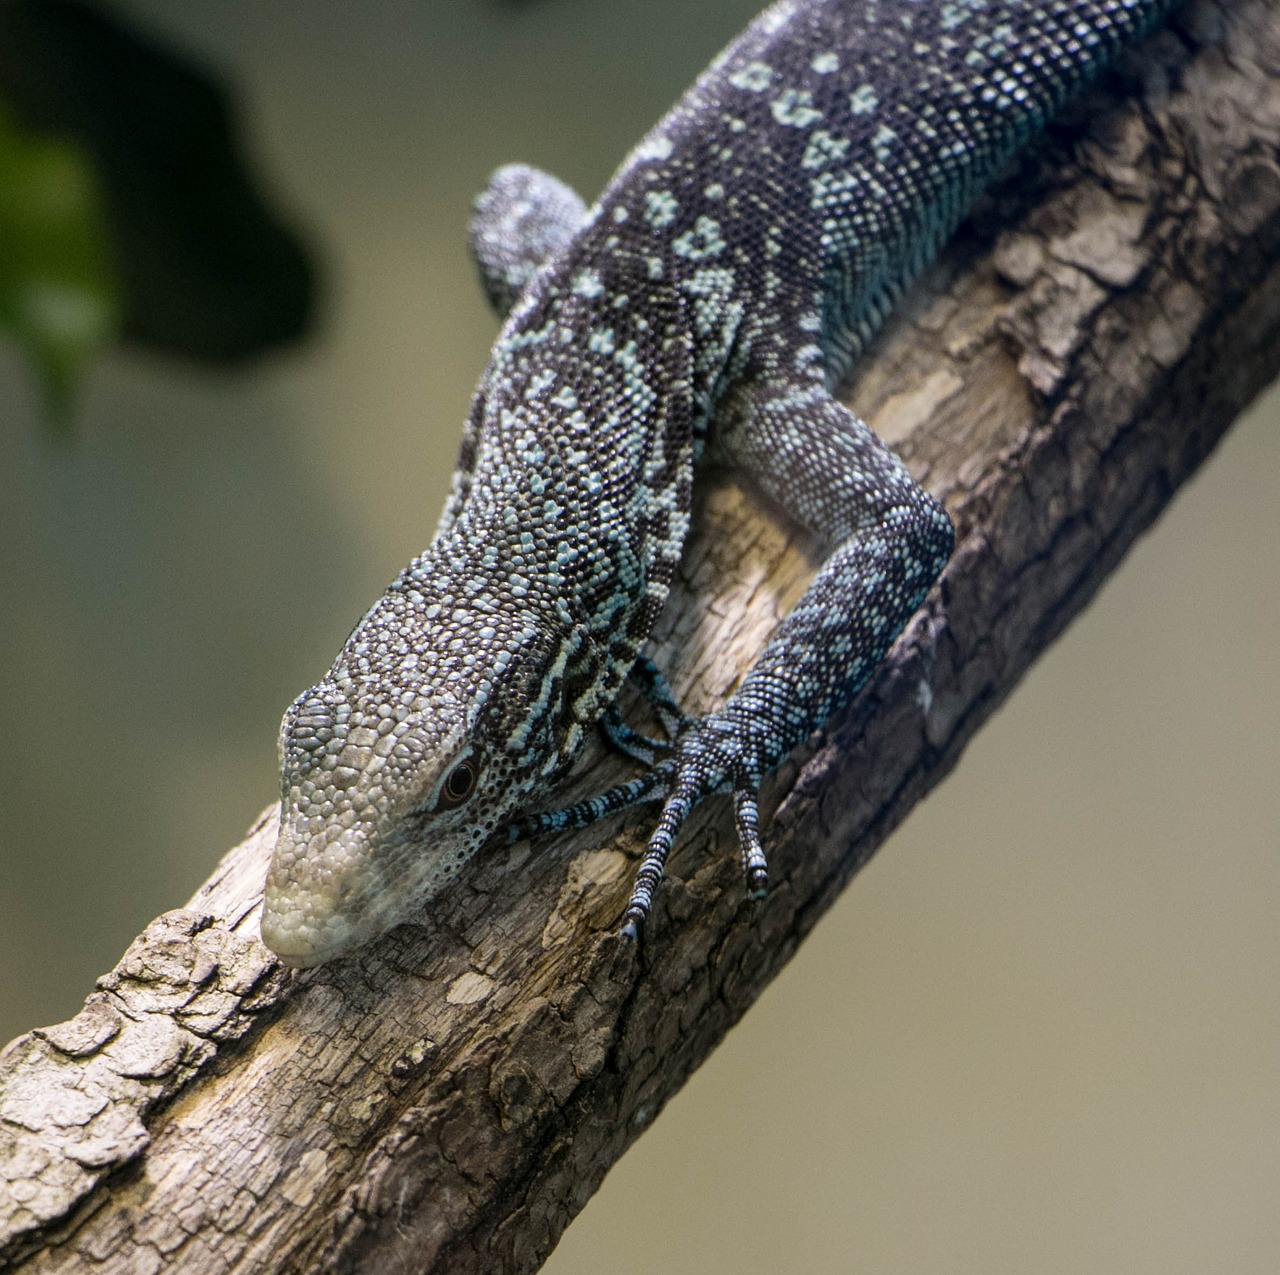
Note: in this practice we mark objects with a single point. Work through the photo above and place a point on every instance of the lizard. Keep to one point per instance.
(703, 310)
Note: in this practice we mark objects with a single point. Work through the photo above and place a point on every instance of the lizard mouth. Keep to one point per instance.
(299, 930)
(300, 958)
(317, 902)
(329, 893)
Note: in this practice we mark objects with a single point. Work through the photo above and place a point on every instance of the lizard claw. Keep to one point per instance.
(755, 869)
(635, 792)
(653, 865)
(710, 755)
(629, 742)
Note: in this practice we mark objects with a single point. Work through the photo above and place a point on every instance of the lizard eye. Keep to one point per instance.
(458, 785)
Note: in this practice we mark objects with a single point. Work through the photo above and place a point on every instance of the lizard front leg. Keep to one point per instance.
(841, 482)
(520, 220)
(656, 755)
(890, 538)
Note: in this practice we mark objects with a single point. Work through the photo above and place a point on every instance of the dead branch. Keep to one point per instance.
(449, 1099)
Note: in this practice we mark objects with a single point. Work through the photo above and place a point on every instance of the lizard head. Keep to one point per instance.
(396, 768)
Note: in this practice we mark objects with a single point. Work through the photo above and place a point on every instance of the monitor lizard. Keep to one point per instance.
(703, 309)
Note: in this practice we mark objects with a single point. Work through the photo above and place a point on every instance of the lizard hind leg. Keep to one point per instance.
(520, 220)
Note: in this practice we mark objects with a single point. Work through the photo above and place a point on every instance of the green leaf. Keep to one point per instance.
(208, 269)
(59, 296)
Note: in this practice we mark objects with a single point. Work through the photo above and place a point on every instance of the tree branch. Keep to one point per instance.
(449, 1099)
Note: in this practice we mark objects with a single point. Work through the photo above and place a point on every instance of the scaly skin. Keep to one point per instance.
(705, 307)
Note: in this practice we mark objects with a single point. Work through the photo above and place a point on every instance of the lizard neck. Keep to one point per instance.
(579, 495)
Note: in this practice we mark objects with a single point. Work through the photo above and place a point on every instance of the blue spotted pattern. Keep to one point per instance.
(704, 308)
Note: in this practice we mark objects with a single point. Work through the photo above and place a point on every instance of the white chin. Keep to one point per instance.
(305, 944)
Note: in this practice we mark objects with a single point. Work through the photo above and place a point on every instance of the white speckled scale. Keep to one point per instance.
(707, 304)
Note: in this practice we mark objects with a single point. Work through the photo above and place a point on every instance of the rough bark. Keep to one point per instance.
(449, 1099)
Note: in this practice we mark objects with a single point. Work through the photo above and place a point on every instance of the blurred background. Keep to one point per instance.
(1039, 1033)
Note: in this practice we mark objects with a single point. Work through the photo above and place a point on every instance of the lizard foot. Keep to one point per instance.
(709, 756)
(705, 755)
